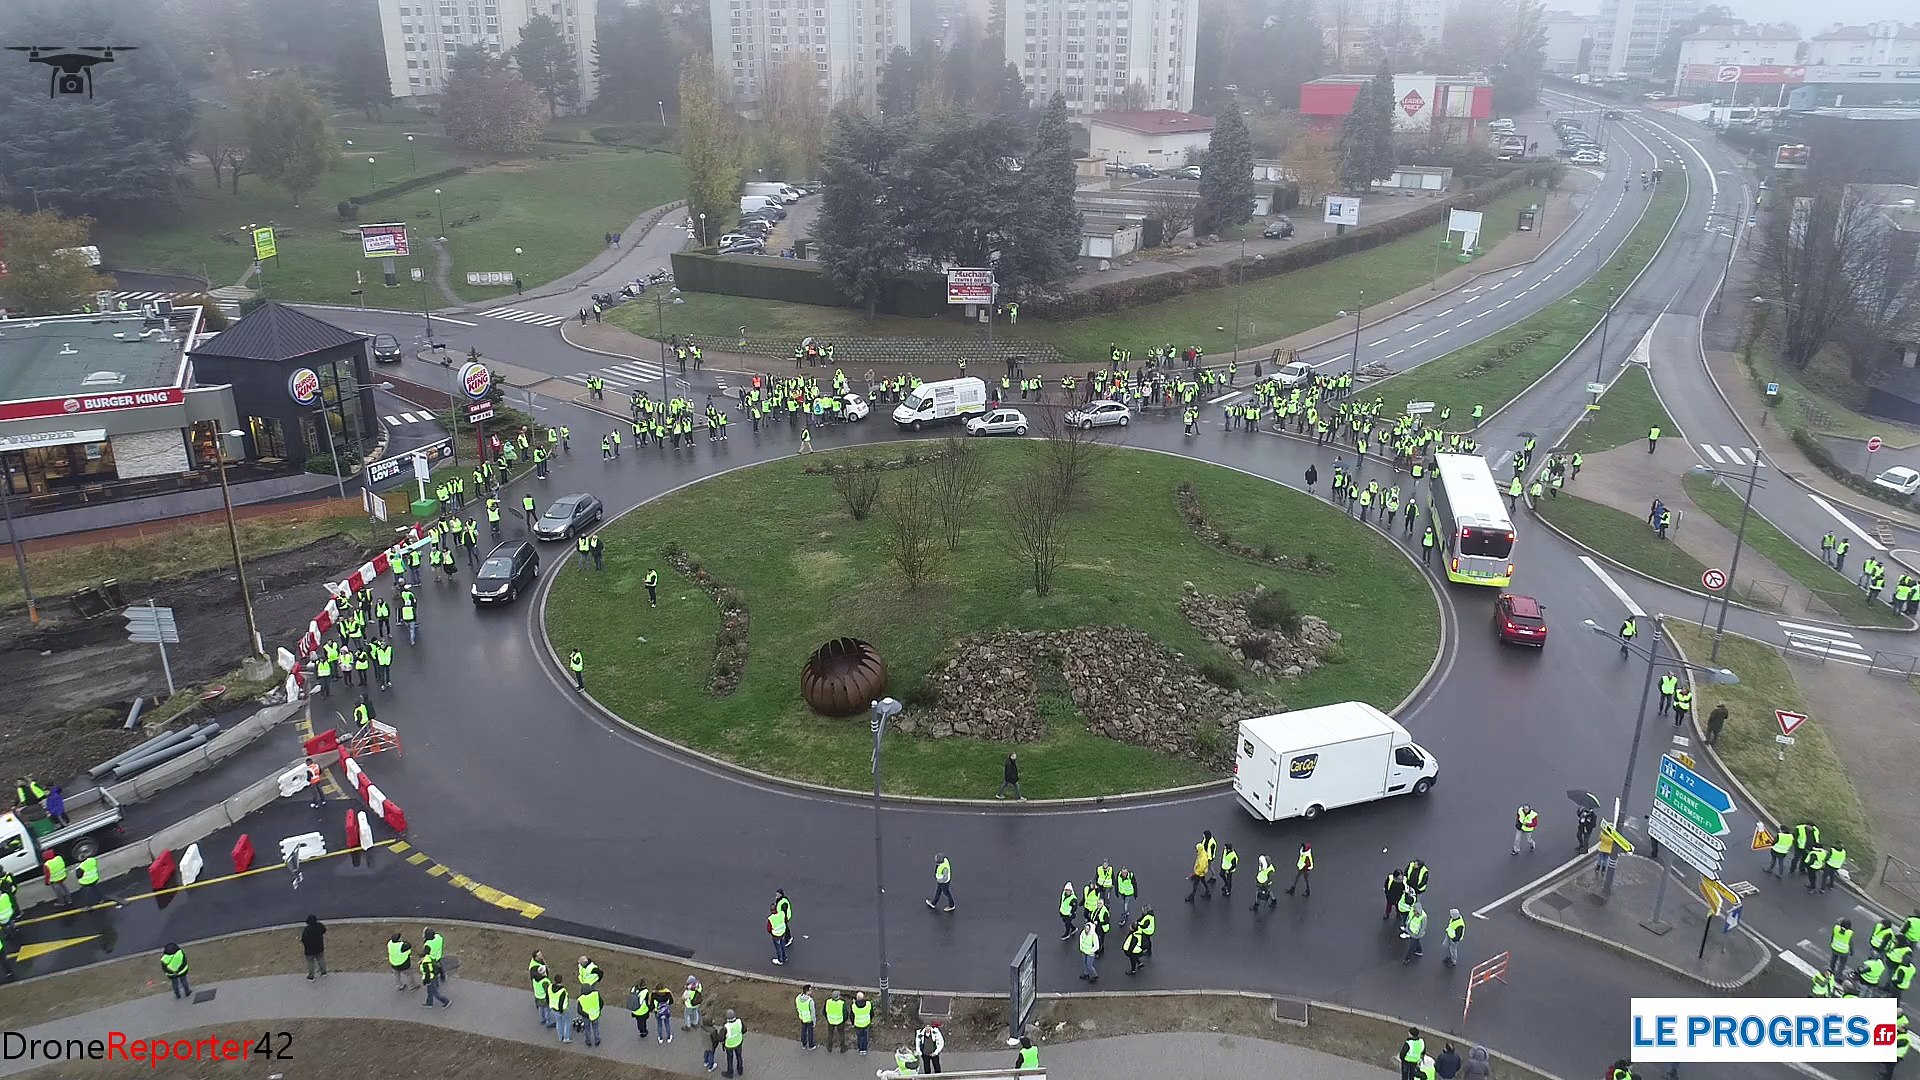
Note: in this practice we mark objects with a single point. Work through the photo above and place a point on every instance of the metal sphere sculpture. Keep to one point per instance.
(842, 677)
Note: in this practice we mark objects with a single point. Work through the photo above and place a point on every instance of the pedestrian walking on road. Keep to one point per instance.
(777, 929)
(1303, 871)
(1089, 945)
(313, 944)
(1229, 863)
(1840, 944)
(1396, 888)
(1584, 823)
(1123, 885)
(1010, 778)
(1263, 872)
(1456, 929)
(1525, 821)
(1415, 931)
(1135, 946)
(942, 881)
(1069, 903)
(1669, 685)
(1201, 876)
(1780, 854)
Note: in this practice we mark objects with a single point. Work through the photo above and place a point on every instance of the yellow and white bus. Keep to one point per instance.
(1475, 533)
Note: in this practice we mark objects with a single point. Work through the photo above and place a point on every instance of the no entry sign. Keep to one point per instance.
(1873, 445)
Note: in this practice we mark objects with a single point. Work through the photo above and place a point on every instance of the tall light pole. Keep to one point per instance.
(1446, 236)
(1652, 653)
(1600, 358)
(233, 538)
(660, 300)
(663, 112)
(13, 536)
(1739, 540)
(883, 710)
(1238, 290)
(371, 182)
(413, 159)
(441, 207)
(1360, 305)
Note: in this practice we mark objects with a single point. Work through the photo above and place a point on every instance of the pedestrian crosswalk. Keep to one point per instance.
(134, 299)
(622, 377)
(1728, 455)
(405, 418)
(1806, 639)
(521, 315)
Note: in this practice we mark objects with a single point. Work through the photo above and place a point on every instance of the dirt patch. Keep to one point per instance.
(1628, 478)
(71, 680)
(395, 1049)
(392, 1049)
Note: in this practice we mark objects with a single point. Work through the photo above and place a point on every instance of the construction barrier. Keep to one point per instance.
(353, 829)
(383, 808)
(324, 743)
(375, 738)
(366, 831)
(160, 871)
(191, 864)
(242, 853)
(367, 575)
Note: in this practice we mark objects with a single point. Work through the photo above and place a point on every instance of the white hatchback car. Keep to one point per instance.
(1100, 414)
(998, 422)
(1900, 479)
(1293, 374)
(855, 407)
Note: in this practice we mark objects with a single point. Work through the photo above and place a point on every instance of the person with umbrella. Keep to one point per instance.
(1586, 816)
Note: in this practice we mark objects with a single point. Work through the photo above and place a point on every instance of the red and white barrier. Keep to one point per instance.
(365, 576)
(383, 808)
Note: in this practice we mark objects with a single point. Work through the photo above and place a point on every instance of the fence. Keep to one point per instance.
(1901, 876)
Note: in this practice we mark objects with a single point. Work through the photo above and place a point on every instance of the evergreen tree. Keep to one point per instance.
(1366, 136)
(360, 78)
(1044, 250)
(635, 62)
(546, 62)
(899, 84)
(861, 241)
(1009, 96)
(288, 139)
(1226, 183)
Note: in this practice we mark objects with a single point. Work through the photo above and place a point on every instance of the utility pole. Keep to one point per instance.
(1360, 305)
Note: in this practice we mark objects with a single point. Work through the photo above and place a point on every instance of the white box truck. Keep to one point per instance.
(941, 402)
(1299, 764)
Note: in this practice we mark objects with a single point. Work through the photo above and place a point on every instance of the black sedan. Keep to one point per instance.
(510, 567)
(568, 516)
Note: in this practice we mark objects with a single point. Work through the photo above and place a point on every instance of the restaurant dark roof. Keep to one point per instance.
(275, 333)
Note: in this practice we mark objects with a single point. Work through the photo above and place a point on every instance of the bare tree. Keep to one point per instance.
(1036, 525)
(1824, 257)
(1314, 161)
(912, 541)
(1070, 455)
(1175, 210)
(956, 483)
(858, 487)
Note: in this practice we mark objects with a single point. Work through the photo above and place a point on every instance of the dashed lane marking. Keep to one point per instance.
(485, 893)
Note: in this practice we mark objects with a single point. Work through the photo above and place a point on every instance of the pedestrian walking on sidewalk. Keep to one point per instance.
(431, 975)
(400, 959)
(932, 1043)
(711, 1055)
(173, 961)
(735, 1037)
(313, 944)
(803, 1007)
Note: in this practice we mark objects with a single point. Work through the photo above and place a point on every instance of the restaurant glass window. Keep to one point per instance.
(269, 438)
(204, 440)
(41, 469)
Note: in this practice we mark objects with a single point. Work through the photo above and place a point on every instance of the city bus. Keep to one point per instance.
(1475, 533)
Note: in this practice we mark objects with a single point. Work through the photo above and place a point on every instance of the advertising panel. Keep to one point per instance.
(384, 241)
(1342, 210)
(969, 286)
(85, 404)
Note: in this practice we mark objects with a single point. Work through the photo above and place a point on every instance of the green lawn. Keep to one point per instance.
(1812, 785)
(809, 572)
(556, 210)
(1628, 410)
(1497, 369)
(1824, 397)
(1622, 537)
(1795, 561)
(1270, 308)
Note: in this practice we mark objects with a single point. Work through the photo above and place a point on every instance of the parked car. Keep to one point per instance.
(734, 238)
(1280, 228)
(568, 516)
(1520, 619)
(998, 422)
(1899, 479)
(855, 407)
(509, 568)
(386, 349)
(745, 245)
(1144, 172)
(1589, 157)
(1293, 374)
(758, 228)
(1188, 172)
(1100, 414)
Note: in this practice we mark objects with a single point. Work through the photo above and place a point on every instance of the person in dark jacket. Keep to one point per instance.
(313, 942)
(1010, 778)
(1479, 1065)
(1447, 1065)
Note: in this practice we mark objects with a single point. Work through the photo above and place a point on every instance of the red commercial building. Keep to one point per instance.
(1420, 102)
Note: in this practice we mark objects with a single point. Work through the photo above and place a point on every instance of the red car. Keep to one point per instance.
(1520, 619)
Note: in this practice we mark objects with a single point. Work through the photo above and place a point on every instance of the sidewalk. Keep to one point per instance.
(503, 1013)
(1573, 903)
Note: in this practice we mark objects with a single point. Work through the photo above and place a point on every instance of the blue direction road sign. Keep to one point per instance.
(1696, 785)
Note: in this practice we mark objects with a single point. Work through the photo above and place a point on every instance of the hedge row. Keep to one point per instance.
(405, 186)
(1131, 293)
(799, 281)
(1823, 459)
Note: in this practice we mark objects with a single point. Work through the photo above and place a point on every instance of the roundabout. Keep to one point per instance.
(984, 663)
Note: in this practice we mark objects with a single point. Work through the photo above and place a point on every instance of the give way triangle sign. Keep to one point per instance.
(1789, 721)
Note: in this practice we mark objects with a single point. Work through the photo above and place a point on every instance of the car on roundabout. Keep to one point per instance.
(1292, 374)
(1100, 414)
(1519, 619)
(1899, 479)
(508, 568)
(569, 516)
(998, 422)
(854, 407)
(386, 349)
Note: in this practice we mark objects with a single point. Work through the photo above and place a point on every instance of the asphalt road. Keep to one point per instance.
(508, 777)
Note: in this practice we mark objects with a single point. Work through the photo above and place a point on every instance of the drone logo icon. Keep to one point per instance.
(72, 66)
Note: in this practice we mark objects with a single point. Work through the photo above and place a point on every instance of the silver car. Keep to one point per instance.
(998, 422)
(1100, 414)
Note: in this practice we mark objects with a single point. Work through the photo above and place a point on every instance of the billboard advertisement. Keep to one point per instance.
(85, 404)
(1414, 97)
(384, 241)
(1745, 74)
(969, 286)
(1342, 210)
(1791, 156)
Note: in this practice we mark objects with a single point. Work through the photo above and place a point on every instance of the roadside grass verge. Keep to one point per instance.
(1628, 410)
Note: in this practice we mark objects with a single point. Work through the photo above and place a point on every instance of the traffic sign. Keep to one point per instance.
(1685, 841)
(1783, 740)
(1718, 895)
(151, 625)
(1773, 389)
(1677, 780)
(1416, 408)
(1873, 445)
(1763, 837)
(1789, 721)
(1714, 579)
(1596, 388)
(1730, 921)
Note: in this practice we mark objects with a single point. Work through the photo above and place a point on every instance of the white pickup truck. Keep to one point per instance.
(25, 840)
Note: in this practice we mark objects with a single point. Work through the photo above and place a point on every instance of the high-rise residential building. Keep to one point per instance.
(1567, 37)
(421, 37)
(840, 45)
(1629, 33)
(1391, 20)
(1092, 51)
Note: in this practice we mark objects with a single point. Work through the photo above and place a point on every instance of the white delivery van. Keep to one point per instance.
(776, 192)
(750, 203)
(1298, 764)
(941, 402)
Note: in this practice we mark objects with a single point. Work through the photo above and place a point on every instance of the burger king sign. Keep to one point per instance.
(304, 386)
(476, 380)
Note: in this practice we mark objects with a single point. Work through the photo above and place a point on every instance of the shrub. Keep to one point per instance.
(1210, 740)
(1274, 611)
(1255, 647)
(1267, 552)
(1219, 672)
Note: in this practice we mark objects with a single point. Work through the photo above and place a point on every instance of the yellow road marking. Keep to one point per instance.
(203, 882)
(436, 870)
(42, 948)
(418, 857)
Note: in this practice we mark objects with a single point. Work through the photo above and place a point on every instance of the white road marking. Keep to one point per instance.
(1382, 341)
(456, 322)
(1613, 587)
(1846, 521)
(1707, 448)
(1798, 964)
(1393, 354)
(1444, 314)
(1734, 455)
(392, 421)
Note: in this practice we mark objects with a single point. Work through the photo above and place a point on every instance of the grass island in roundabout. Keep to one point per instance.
(1182, 598)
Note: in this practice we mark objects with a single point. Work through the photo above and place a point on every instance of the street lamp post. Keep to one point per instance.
(1718, 675)
(883, 710)
(371, 182)
(1360, 305)
(1446, 235)
(663, 112)
(233, 538)
(660, 300)
(441, 207)
(1739, 541)
(413, 159)
(703, 230)
(19, 555)
(1600, 358)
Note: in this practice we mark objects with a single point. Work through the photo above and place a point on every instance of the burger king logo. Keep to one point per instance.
(477, 380)
(304, 386)
(71, 405)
